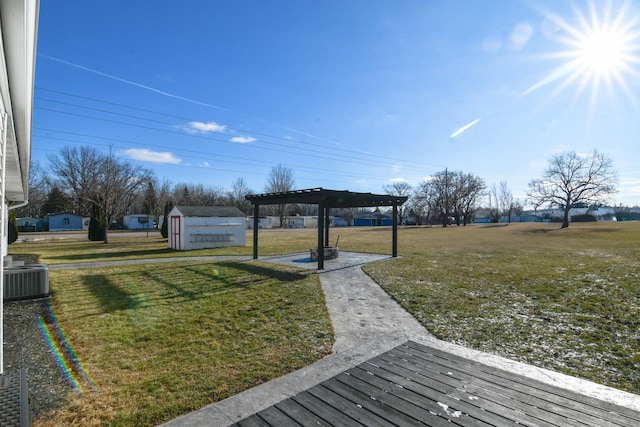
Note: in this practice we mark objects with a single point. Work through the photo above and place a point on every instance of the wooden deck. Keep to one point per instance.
(417, 385)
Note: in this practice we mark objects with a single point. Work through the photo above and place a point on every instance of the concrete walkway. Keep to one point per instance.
(366, 322)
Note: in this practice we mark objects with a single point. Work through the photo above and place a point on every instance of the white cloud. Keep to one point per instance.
(202, 127)
(399, 179)
(206, 164)
(145, 155)
(242, 139)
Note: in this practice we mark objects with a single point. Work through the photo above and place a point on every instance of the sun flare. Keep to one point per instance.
(602, 52)
(601, 48)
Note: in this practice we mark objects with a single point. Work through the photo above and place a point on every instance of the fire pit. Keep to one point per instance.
(330, 252)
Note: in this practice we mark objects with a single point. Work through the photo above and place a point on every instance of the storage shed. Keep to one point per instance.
(203, 227)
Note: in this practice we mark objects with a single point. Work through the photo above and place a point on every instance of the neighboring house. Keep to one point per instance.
(263, 222)
(301, 222)
(19, 27)
(65, 221)
(629, 216)
(337, 221)
(373, 220)
(27, 224)
(604, 213)
(138, 221)
(202, 227)
(482, 220)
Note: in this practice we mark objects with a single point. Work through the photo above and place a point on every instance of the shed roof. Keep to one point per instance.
(329, 198)
(210, 211)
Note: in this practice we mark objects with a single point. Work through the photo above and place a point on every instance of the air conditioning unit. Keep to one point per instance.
(26, 282)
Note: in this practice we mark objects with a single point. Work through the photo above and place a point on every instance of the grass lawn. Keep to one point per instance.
(164, 339)
(567, 300)
(61, 250)
(161, 340)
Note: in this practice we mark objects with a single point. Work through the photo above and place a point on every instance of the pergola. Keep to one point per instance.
(325, 199)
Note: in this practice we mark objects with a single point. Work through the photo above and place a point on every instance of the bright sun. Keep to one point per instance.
(602, 52)
(601, 48)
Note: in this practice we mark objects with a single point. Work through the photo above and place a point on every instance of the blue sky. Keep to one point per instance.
(351, 95)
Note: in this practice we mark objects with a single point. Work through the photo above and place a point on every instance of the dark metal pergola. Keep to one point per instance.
(325, 199)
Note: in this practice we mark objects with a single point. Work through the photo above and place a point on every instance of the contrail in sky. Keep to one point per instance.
(110, 76)
(464, 128)
(170, 95)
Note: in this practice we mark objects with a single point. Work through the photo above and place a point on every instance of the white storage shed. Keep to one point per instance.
(203, 227)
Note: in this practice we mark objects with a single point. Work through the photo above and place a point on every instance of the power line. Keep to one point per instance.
(324, 155)
(322, 146)
(196, 154)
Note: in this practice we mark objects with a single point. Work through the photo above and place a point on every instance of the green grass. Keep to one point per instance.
(567, 300)
(564, 299)
(164, 339)
(61, 250)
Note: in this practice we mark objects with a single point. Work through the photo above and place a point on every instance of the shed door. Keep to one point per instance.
(175, 232)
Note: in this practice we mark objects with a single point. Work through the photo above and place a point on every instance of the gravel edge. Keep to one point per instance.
(25, 347)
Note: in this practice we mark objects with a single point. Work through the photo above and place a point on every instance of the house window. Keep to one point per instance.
(66, 221)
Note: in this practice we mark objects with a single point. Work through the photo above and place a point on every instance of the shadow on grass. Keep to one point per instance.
(111, 296)
(267, 271)
(115, 254)
(218, 284)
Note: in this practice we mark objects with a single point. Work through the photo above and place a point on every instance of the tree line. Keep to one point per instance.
(87, 182)
(453, 197)
(93, 184)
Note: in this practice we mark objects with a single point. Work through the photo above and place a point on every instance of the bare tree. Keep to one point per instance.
(98, 180)
(505, 200)
(399, 188)
(150, 201)
(449, 195)
(40, 186)
(78, 171)
(436, 194)
(452, 195)
(418, 206)
(494, 204)
(572, 178)
(470, 192)
(198, 195)
(501, 202)
(239, 189)
(280, 180)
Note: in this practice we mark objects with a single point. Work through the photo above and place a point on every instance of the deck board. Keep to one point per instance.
(414, 384)
(566, 403)
(301, 415)
(358, 413)
(500, 401)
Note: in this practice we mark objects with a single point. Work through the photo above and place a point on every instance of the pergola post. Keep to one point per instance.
(326, 225)
(321, 209)
(256, 223)
(394, 250)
